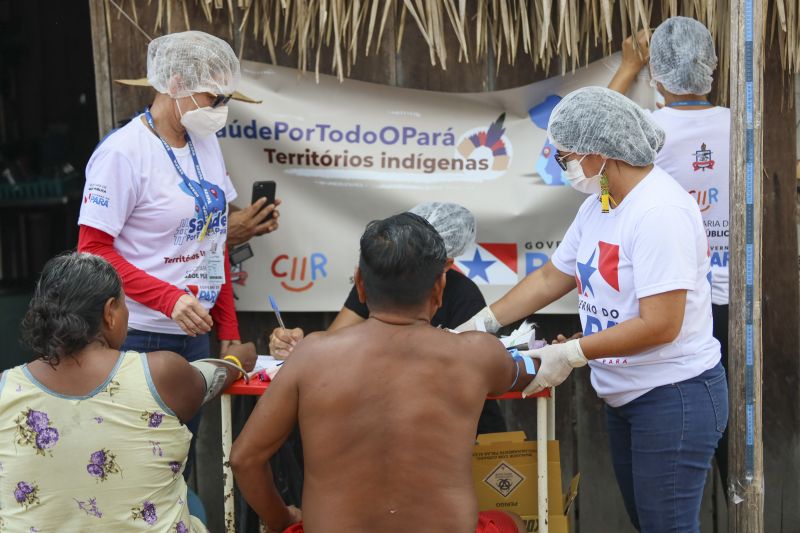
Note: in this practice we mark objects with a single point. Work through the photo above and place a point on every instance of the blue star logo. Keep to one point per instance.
(585, 270)
(477, 267)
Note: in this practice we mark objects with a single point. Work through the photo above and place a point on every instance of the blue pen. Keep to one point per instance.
(277, 312)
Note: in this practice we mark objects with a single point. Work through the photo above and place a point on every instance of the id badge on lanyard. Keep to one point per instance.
(215, 262)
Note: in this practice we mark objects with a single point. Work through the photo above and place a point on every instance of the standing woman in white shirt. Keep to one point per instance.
(155, 203)
(697, 146)
(638, 255)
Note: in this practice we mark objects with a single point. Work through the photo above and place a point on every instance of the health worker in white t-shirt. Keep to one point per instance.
(155, 203)
(697, 146)
(638, 255)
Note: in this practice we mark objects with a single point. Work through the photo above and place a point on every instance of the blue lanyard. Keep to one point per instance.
(686, 103)
(203, 199)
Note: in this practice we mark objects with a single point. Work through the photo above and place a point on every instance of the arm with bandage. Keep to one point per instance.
(506, 370)
(184, 387)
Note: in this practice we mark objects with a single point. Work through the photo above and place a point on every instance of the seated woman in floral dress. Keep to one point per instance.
(92, 438)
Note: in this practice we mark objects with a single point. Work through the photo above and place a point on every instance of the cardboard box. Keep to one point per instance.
(504, 470)
(558, 523)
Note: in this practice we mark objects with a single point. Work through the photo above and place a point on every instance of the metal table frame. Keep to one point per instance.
(545, 430)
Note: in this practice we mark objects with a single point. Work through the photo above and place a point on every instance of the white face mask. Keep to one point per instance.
(203, 121)
(579, 181)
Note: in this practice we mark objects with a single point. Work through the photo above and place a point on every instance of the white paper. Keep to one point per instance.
(524, 334)
(268, 363)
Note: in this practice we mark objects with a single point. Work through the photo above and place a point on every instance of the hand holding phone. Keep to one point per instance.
(264, 189)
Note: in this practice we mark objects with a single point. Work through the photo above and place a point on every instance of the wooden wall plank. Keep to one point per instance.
(102, 81)
(781, 310)
(747, 482)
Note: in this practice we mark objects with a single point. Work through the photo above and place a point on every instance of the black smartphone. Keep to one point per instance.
(264, 189)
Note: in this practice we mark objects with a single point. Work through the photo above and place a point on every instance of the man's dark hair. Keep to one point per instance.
(401, 258)
(67, 306)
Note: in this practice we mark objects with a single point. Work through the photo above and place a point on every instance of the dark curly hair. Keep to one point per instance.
(401, 258)
(67, 306)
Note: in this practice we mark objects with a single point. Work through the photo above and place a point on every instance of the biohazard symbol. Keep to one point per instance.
(504, 479)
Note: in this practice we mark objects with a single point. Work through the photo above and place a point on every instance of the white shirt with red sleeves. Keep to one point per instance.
(134, 193)
(653, 242)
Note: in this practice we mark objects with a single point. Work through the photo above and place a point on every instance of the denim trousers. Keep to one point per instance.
(191, 348)
(662, 444)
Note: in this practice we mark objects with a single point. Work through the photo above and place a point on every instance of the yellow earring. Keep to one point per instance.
(604, 196)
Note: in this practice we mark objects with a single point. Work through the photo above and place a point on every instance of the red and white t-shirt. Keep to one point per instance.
(134, 194)
(652, 242)
(696, 153)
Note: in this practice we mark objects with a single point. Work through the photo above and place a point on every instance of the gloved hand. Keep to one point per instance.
(486, 318)
(557, 361)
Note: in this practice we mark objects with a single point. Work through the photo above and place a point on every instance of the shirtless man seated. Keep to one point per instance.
(357, 391)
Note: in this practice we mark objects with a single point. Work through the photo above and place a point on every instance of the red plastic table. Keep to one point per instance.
(545, 429)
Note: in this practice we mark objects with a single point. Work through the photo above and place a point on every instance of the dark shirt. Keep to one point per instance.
(461, 300)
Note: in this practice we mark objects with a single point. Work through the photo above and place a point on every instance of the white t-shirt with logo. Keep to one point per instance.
(134, 193)
(652, 242)
(696, 153)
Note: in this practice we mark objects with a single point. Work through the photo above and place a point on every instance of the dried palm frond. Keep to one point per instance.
(543, 30)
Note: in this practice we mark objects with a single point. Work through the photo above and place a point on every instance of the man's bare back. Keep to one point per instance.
(388, 409)
(388, 416)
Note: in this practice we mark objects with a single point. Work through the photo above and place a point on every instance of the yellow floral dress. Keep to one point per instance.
(108, 461)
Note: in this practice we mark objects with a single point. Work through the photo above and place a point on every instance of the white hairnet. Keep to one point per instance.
(682, 56)
(180, 64)
(455, 223)
(596, 120)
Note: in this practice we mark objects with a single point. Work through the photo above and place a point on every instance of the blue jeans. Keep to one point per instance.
(191, 348)
(661, 446)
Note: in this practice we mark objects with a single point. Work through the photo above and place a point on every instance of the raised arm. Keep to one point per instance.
(632, 62)
(270, 423)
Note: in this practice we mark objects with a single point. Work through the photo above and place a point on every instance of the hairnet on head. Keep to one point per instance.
(682, 56)
(180, 64)
(596, 120)
(455, 223)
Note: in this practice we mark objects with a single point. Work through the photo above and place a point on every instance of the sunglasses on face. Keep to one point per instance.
(220, 99)
(561, 159)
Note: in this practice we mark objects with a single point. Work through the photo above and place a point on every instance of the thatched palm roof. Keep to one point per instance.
(535, 31)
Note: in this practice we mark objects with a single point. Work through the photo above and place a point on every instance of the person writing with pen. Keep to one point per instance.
(462, 298)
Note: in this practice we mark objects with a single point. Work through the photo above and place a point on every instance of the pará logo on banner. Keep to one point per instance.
(489, 263)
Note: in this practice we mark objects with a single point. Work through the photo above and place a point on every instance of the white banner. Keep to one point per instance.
(343, 154)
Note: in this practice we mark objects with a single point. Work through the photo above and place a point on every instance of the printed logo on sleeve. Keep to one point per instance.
(97, 195)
